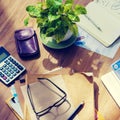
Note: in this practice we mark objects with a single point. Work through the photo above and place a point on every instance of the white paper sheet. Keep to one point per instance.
(53, 115)
(88, 42)
(112, 83)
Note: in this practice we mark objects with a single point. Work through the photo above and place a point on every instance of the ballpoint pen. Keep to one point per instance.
(93, 22)
(76, 111)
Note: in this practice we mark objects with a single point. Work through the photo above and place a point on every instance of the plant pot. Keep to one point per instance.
(50, 42)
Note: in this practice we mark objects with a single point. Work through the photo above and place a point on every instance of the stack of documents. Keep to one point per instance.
(86, 41)
(43, 93)
(78, 89)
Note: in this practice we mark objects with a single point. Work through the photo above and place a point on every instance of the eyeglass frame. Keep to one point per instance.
(46, 110)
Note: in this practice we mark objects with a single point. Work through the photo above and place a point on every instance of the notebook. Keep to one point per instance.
(101, 23)
(112, 83)
(14, 103)
(15, 107)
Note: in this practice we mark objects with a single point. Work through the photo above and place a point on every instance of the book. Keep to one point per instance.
(112, 83)
(84, 91)
(14, 105)
(101, 23)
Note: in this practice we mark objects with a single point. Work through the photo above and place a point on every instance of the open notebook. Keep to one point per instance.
(78, 89)
(101, 23)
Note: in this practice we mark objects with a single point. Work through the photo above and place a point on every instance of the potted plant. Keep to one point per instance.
(55, 19)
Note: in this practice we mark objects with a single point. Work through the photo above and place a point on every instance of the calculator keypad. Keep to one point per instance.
(10, 69)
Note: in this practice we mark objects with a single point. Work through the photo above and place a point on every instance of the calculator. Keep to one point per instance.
(10, 68)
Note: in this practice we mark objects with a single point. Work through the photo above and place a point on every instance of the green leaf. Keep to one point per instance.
(39, 5)
(58, 2)
(53, 10)
(53, 17)
(50, 3)
(67, 8)
(41, 22)
(65, 22)
(73, 17)
(33, 11)
(80, 10)
(50, 31)
(69, 1)
(26, 21)
(30, 8)
(59, 37)
(74, 29)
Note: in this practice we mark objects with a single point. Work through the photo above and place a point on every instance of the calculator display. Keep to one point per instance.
(3, 56)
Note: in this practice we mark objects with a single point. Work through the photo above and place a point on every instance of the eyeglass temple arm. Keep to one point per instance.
(54, 85)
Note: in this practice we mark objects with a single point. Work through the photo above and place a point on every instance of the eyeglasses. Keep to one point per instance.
(46, 110)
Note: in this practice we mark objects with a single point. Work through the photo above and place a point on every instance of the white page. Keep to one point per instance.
(112, 5)
(109, 25)
(112, 83)
(16, 106)
(53, 116)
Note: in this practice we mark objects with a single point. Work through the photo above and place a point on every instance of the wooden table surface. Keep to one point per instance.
(72, 59)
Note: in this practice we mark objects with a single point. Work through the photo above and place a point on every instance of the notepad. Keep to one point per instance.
(100, 23)
(15, 107)
(112, 83)
(14, 104)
